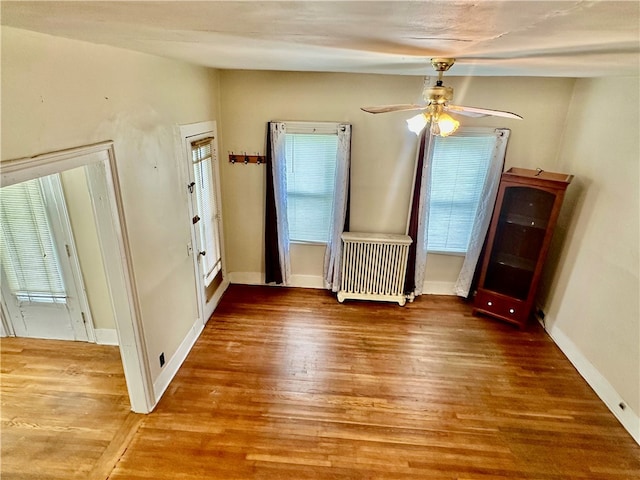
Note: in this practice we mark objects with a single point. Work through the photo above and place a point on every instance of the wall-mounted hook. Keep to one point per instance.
(246, 159)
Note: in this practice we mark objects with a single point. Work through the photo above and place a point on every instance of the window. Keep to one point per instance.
(27, 250)
(459, 167)
(311, 152)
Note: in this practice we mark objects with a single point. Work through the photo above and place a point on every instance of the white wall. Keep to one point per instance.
(81, 217)
(59, 93)
(591, 291)
(383, 150)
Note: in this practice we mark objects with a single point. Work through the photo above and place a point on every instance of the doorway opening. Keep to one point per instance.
(99, 166)
(43, 289)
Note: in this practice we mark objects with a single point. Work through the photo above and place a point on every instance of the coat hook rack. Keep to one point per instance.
(245, 159)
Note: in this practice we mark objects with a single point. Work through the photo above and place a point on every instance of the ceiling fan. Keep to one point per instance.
(437, 105)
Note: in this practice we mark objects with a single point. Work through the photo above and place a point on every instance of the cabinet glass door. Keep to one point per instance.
(518, 240)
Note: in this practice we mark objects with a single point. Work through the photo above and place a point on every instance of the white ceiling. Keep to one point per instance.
(488, 37)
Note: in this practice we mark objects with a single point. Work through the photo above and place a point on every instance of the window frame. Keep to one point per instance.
(463, 132)
(311, 128)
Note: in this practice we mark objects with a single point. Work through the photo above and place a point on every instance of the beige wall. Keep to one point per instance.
(593, 297)
(59, 93)
(383, 150)
(78, 199)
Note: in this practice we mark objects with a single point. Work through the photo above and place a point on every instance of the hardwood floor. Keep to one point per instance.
(65, 409)
(290, 384)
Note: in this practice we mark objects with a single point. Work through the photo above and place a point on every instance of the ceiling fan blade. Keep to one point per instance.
(458, 111)
(393, 108)
(480, 112)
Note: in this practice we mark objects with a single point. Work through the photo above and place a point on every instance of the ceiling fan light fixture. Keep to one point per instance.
(446, 125)
(417, 123)
(437, 100)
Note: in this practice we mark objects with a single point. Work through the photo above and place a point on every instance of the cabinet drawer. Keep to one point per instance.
(501, 306)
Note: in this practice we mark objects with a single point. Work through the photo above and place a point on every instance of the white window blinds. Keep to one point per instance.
(459, 169)
(27, 250)
(311, 168)
(207, 226)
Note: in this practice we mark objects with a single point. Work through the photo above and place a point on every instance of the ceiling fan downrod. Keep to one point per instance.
(441, 65)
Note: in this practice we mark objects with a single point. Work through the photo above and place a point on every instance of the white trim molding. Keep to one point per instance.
(213, 302)
(438, 288)
(172, 366)
(257, 278)
(600, 385)
(106, 336)
(316, 281)
(102, 178)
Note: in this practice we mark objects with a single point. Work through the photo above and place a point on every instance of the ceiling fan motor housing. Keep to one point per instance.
(438, 94)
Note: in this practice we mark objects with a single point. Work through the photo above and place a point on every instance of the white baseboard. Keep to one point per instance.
(627, 417)
(315, 281)
(257, 278)
(307, 281)
(106, 336)
(438, 288)
(173, 364)
(212, 304)
(246, 278)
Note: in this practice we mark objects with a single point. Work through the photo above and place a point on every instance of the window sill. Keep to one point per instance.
(453, 254)
(303, 242)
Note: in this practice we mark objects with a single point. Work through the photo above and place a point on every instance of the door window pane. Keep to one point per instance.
(27, 251)
(207, 226)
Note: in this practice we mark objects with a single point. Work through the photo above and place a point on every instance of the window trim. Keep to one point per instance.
(466, 132)
(310, 128)
(320, 128)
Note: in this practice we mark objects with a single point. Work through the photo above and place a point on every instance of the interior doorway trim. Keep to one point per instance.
(102, 177)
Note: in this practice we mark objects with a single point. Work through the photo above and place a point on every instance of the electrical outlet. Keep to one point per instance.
(162, 359)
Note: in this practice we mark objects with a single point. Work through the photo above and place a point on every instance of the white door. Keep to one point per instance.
(204, 206)
(41, 284)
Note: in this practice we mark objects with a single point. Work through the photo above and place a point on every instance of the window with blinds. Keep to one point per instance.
(458, 172)
(207, 226)
(29, 258)
(311, 168)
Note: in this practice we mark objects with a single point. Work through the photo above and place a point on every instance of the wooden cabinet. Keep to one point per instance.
(524, 217)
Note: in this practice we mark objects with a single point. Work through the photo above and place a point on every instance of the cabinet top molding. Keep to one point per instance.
(515, 173)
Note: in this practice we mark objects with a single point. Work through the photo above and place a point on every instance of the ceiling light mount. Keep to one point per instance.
(442, 64)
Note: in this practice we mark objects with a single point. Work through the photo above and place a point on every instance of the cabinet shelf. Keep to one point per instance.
(513, 261)
(524, 221)
(525, 214)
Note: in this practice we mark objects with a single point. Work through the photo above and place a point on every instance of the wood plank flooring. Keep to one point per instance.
(63, 405)
(289, 384)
